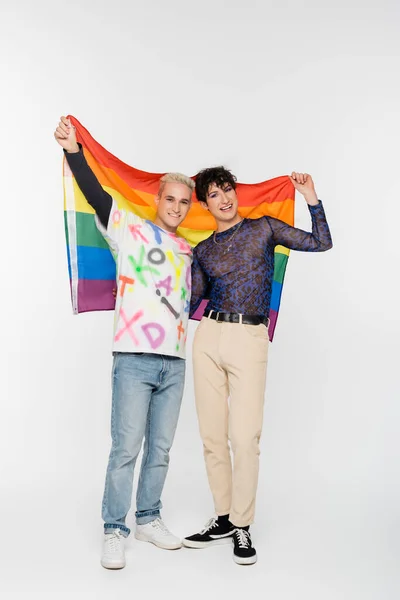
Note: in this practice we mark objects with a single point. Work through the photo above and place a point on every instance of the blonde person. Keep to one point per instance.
(148, 373)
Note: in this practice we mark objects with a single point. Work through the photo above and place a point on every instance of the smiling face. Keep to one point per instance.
(222, 203)
(173, 204)
(215, 190)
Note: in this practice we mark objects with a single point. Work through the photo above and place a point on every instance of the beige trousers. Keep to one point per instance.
(230, 364)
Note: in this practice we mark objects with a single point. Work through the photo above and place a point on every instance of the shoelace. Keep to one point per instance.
(209, 525)
(161, 526)
(243, 538)
(113, 541)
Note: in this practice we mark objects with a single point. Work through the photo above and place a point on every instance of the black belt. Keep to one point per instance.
(236, 318)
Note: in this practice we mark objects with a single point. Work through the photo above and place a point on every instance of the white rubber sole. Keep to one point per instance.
(143, 538)
(200, 545)
(245, 561)
(113, 565)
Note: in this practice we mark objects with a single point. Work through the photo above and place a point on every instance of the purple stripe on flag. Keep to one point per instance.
(273, 316)
(197, 316)
(95, 294)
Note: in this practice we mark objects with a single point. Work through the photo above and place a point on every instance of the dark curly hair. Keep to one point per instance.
(215, 175)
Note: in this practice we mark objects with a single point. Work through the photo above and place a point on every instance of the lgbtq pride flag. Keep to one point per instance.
(90, 262)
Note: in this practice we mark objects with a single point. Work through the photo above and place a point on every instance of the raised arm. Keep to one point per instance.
(100, 200)
(319, 239)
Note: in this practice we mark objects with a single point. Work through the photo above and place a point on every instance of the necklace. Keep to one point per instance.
(228, 240)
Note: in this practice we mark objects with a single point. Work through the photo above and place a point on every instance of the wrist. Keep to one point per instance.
(311, 199)
(74, 149)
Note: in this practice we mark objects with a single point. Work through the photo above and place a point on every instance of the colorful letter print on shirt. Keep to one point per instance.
(153, 276)
(92, 269)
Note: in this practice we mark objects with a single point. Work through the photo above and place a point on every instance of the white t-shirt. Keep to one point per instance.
(154, 284)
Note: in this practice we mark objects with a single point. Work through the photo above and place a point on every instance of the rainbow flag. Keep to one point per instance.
(90, 262)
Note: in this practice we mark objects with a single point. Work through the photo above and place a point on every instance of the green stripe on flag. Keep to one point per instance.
(66, 227)
(280, 266)
(86, 231)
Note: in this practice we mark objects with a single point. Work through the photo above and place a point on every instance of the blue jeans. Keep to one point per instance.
(147, 392)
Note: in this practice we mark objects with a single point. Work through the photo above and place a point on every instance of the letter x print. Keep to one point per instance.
(128, 325)
(139, 268)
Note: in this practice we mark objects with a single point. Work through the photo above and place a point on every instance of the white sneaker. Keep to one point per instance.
(113, 550)
(157, 533)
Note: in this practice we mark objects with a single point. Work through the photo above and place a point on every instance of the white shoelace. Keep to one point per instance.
(160, 526)
(209, 525)
(243, 538)
(113, 541)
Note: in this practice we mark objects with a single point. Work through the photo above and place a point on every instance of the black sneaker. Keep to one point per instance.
(243, 551)
(217, 531)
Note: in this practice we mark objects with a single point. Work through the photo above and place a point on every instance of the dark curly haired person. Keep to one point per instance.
(234, 268)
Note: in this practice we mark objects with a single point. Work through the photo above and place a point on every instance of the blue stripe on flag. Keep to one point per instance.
(276, 295)
(95, 263)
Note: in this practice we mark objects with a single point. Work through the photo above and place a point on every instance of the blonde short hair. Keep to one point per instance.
(175, 178)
